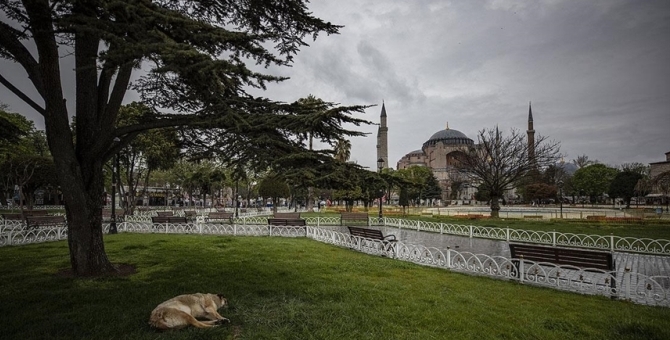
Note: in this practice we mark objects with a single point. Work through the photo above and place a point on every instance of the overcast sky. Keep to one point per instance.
(597, 72)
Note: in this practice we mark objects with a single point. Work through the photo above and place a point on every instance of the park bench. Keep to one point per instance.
(287, 222)
(371, 234)
(12, 217)
(287, 219)
(386, 244)
(44, 221)
(190, 214)
(164, 213)
(220, 217)
(354, 217)
(169, 219)
(581, 258)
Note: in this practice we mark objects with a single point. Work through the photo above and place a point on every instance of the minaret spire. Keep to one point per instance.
(531, 134)
(382, 138)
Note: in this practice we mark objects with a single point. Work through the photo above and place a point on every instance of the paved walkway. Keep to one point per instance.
(649, 265)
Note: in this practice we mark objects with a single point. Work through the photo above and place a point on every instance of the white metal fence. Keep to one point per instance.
(638, 288)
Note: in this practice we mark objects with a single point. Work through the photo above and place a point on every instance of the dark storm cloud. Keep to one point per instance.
(596, 71)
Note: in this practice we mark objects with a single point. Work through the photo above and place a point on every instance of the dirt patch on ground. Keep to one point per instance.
(121, 270)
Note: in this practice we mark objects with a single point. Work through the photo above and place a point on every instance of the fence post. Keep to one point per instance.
(553, 238)
(507, 234)
(470, 227)
(234, 229)
(418, 224)
(521, 274)
(318, 221)
(449, 257)
(626, 279)
(611, 242)
(441, 228)
(166, 227)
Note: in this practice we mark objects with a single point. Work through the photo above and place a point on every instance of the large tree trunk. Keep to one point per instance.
(495, 207)
(84, 216)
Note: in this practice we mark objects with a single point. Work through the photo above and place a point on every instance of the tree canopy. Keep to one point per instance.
(195, 76)
(593, 180)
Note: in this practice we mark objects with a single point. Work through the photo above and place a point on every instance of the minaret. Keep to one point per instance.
(382, 139)
(531, 134)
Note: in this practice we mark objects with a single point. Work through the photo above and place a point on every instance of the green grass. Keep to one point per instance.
(281, 288)
(659, 229)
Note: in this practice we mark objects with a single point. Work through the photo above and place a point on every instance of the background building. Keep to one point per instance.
(441, 152)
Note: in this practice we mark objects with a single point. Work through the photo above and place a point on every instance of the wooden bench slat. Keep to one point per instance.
(169, 219)
(44, 221)
(287, 222)
(564, 256)
(218, 216)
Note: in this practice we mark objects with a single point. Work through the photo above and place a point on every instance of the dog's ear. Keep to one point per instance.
(220, 296)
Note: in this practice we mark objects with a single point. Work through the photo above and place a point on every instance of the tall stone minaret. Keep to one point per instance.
(382, 139)
(531, 134)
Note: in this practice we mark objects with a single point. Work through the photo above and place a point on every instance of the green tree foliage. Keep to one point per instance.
(13, 126)
(30, 172)
(540, 191)
(623, 185)
(193, 55)
(500, 161)
(431, 190)
(418, 182)
(273, 187)
(593, 180)
(150, 151)
(482, 193)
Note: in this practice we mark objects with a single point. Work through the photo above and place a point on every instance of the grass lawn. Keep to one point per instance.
(654, 229)
(281, 288)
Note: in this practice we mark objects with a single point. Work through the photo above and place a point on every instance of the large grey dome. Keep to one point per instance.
(449, 136)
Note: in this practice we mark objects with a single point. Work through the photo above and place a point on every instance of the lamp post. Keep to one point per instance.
(380, 166)
(115, 171)
(560, 187)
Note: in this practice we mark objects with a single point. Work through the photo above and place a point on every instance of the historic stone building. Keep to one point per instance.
(440, 153)
(659, 193)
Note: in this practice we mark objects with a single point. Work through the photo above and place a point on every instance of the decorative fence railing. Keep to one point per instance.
(638, 288)
(553, 238)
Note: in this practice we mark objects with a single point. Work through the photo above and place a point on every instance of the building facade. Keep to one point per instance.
(441, 152)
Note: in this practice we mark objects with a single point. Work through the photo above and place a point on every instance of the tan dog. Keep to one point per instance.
(183, 310)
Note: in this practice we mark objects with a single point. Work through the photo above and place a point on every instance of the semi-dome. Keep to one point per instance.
(448, 136)
(415, 153)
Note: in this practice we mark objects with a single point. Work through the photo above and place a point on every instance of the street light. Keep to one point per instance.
(115, 171)
(380, 166)
(560, 187)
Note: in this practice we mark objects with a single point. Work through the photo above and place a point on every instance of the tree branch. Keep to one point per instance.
(21, 95)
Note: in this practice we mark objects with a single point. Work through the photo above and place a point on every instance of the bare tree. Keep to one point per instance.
(583, 161)
(662, 183)
(498, 161)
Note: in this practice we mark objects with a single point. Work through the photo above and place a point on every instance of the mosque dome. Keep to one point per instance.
(448, 136)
